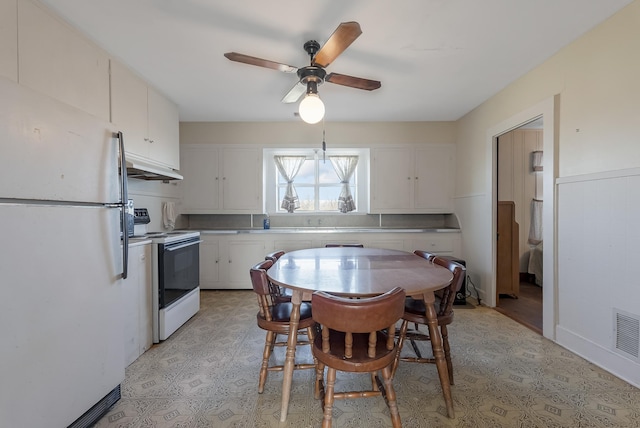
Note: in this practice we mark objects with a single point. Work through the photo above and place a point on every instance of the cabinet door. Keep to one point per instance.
(9, 39)
(241, 180)
(164, 134)
(209, 262)
(434, 178)
(130, 305)
(391, 180)
(129, 108)
(391, 244)
(145, 310)
(58, 61)
(438, 243)
(242, 255)
(291, 243)
(200, 184)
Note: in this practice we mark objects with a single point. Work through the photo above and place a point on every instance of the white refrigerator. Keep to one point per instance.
(61, 262)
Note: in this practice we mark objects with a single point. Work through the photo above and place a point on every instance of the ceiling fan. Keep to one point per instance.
(311, 107)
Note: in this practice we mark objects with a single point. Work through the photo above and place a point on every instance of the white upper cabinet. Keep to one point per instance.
(391, 180)
(129, 108)
(221, 180)
(415, 179)
(241, 180)
(148, 120)
(9, 39)
(200, 184)
(434, 178)
(58, 61)
(164, 129)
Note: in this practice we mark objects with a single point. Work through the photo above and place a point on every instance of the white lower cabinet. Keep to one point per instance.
(241, 255)
(209, 262)
(445, 244)
(138, 328)
(225, 259)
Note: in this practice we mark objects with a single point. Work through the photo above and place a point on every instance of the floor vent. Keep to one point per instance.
(626, 334)
(93, 415)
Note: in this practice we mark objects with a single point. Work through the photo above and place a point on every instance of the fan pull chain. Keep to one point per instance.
(324, 144)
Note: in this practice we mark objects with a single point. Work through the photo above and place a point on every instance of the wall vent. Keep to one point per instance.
(626, 334)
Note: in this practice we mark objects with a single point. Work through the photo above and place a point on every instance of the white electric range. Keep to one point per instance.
(176, 279)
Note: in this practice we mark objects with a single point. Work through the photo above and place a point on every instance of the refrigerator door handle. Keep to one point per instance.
(124, 196)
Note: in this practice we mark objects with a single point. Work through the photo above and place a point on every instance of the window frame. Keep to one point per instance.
(270, 178)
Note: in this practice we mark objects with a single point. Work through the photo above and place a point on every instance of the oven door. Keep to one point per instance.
(178, 270)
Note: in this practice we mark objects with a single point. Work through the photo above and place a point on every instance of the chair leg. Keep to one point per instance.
(391, 397)
(266, 354)
(447, 351)
(328, 398)
(319, 392)
(401, 336)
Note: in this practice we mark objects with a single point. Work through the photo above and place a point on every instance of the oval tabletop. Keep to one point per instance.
(357, 271)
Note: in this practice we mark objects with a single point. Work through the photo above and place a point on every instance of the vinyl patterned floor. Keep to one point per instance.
(506, 375)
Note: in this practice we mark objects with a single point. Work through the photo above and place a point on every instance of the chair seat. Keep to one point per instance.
(415, 311)
(360, 361)
(281, 314)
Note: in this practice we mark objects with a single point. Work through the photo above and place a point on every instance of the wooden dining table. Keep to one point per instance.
(359, 272)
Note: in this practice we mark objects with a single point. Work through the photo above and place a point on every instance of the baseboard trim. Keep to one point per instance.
(606, 359)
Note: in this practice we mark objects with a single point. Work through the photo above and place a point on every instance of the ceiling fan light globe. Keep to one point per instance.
(311, 109)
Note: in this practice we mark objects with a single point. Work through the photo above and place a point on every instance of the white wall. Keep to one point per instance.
(596, 129)
(151, 195)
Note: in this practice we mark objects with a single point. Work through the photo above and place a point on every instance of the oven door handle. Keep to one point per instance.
(186, 244)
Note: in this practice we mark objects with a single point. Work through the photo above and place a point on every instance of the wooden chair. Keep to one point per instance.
(273, 316)
(274, 256)
(344, 245)
(425, 255)
(415, 312)
(283, 294)
(357, 336)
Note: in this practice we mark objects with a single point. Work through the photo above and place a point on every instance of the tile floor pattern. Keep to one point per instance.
(206, 375)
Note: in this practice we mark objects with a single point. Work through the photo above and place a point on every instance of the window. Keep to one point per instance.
(316, 183)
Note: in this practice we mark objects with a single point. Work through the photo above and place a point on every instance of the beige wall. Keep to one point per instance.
(597, 111)
(299, 134)
(597, 79)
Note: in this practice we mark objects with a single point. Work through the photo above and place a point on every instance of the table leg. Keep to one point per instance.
(438, 352)
(289, 361)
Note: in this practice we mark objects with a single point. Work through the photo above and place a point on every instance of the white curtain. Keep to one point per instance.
(288, 166)
(345, 167)
(535, 230)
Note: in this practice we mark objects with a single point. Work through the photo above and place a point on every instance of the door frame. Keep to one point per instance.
(548, 109)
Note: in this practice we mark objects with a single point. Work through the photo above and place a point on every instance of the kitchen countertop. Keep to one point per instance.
(134, 242)
(325, 230)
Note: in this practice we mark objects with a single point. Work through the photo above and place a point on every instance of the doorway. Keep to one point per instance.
(548, 109)
(519, 224)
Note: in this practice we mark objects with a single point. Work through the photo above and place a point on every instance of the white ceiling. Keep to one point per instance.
(436, 59)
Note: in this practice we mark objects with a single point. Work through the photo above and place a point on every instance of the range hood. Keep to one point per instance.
(145, 170)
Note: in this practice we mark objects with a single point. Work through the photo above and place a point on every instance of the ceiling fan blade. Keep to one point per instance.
(354, 82)
(295, 93)
(341, 38)
(252, 60)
